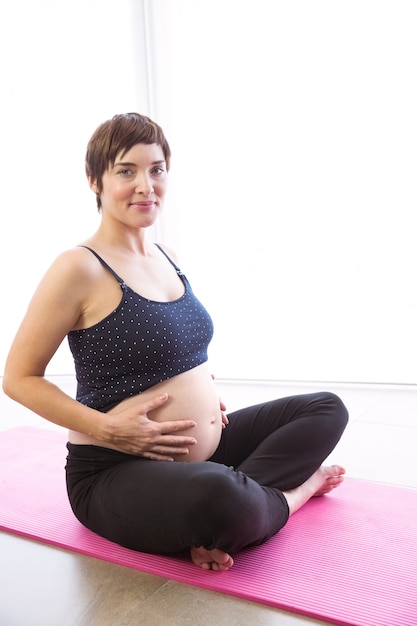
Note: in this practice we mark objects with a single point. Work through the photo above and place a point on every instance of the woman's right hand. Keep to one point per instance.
(128, 428)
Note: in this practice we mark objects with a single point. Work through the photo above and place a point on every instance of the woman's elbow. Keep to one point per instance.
(11, 385)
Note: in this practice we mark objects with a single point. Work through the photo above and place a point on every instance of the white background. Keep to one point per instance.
(293, 187)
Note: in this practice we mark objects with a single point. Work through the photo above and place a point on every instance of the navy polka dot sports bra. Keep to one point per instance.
(141, 343)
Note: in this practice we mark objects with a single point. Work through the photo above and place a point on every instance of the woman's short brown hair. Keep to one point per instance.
(118, 135)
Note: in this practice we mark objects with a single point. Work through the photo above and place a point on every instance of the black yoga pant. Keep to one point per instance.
(232, 501)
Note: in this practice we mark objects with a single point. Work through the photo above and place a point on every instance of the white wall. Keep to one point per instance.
(66, 66)
(293, 131)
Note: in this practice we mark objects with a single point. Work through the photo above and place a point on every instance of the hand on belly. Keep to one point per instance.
(191, 396)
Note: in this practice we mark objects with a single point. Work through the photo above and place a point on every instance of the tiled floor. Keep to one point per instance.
(46, 586)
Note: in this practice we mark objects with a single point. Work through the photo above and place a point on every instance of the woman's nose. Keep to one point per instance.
(144, 185)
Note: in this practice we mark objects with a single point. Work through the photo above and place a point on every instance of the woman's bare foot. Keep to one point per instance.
(324, 480)
(216, 560)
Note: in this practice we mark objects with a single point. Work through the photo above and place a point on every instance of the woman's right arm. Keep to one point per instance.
(53, 311)
(56, 307)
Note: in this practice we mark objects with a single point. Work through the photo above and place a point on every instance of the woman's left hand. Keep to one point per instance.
(225, 419)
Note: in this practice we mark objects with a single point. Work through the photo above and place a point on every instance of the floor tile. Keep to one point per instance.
(397, 407)
(378, 452)
(176, 604)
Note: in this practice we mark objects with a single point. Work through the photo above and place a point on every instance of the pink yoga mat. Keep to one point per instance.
(348, 558)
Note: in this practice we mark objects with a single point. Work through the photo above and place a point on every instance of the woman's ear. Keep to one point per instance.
(93, 184)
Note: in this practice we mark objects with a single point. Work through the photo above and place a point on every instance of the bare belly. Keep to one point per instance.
(191, 396)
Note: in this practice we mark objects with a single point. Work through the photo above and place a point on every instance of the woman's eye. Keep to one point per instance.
(158, 170)
(125, 172)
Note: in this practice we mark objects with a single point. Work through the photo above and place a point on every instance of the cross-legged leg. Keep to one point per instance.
(283, 442)
(163, 507)
(281, 445)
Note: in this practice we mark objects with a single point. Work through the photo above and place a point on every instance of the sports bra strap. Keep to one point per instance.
(106, 265)
(177, 269)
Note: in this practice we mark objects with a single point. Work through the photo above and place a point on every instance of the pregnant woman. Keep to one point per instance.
(154, 463)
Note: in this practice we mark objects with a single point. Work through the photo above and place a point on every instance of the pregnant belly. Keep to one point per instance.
(191, 396)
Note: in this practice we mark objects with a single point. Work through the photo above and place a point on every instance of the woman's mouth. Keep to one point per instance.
(143, 205)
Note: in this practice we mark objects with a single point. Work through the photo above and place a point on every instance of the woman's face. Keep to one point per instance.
(134, 187)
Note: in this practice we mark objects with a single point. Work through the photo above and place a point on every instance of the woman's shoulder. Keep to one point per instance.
(74, 265)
